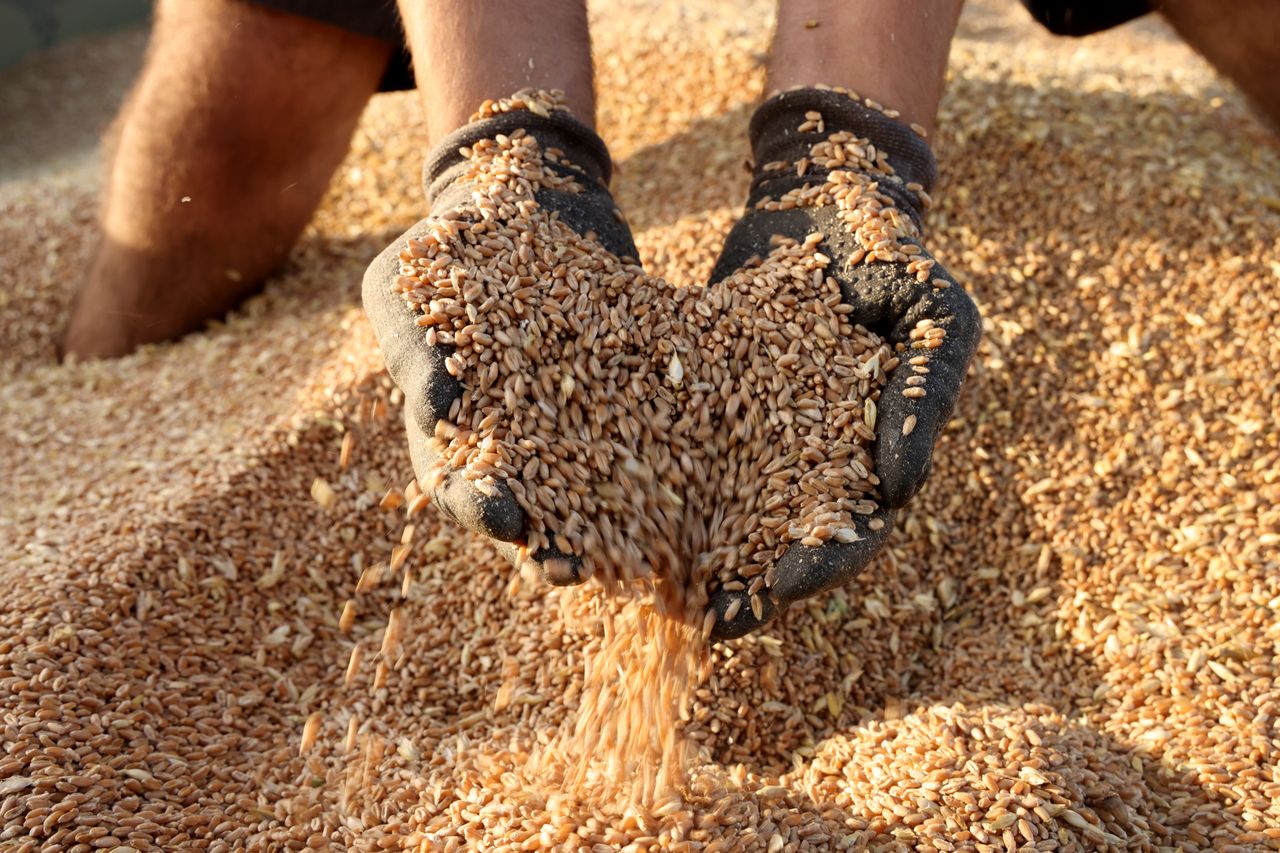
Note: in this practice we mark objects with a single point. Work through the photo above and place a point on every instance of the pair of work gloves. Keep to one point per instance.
(886, 299)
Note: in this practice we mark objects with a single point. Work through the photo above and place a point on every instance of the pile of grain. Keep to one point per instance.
(1072, 635)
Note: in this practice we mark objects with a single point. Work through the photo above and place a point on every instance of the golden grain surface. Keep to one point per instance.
(1072, 640)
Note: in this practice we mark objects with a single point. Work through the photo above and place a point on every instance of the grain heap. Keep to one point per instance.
(1072, 635)
(608, 402)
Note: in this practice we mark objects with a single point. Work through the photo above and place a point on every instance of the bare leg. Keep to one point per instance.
(465, 53)
(224, 149)
(1241, 39)
(880, 49)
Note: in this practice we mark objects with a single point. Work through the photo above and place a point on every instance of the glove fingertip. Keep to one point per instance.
(805, 571)
(903, 467)
(734, 616)
(910, 419)
(497, 516)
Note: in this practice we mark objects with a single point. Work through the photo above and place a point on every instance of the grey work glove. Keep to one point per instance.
(887, 300)
(419, 369)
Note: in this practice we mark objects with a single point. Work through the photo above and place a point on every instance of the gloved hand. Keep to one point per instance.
(419, 369)
(931, 321)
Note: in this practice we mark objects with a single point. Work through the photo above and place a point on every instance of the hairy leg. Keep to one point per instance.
(222, 152)
(1241, 39)
(878, 48)
(465, 53)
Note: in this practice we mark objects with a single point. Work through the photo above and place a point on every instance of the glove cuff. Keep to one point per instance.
(578, 144)
(776, 137)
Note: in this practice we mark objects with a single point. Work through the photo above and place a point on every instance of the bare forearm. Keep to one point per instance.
(887, 50)
(467, 52)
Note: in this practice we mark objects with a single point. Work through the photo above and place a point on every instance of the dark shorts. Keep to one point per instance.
(376, 18)
(1083, 17)
(379, 19)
